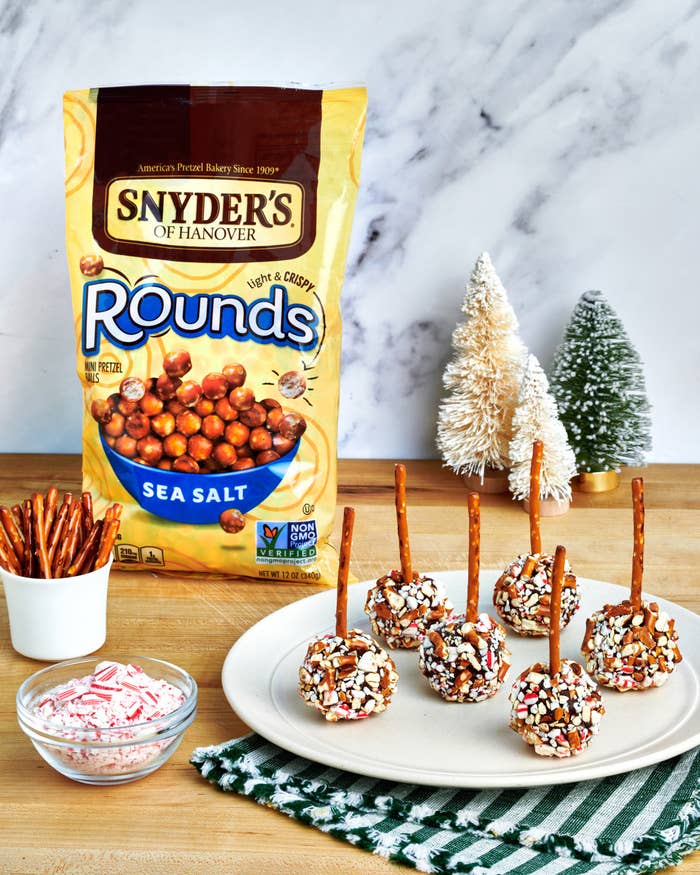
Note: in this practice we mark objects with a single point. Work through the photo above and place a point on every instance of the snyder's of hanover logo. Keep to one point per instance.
(206, 213)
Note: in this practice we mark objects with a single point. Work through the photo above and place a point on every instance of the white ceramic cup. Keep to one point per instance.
(59, 619)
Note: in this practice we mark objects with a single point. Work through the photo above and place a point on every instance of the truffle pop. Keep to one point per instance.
(464, 657)
(402, 605)
(633, 645)
(346, 675)
(522, 594)
(556, 708)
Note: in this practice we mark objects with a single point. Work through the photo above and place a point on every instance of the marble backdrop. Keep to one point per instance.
(563, 137)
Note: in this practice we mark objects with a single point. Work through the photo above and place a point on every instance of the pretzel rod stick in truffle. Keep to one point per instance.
(341, 609)
(14, 534)
(535, 474)
(638, 554)
(402, 522)
(88, 552)
(109, 536)
(29, 564)
(555, 615)
(56, 532)
(50, 505)
(39, 523)
(474, 538)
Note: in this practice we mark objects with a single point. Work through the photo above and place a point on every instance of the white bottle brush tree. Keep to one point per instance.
(483, 378)
(536, 418)
(598, 383)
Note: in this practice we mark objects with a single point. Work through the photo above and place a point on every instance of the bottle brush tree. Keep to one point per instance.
(598, 383)
(536, 418)
(483, 378)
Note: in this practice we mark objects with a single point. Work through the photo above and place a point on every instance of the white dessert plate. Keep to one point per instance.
(422, 739)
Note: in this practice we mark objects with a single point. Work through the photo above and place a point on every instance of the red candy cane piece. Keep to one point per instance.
(107, 673)
(66, 695)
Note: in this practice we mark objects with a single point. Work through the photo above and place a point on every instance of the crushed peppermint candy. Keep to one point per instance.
(402, 612)
(465, 662)
(115, 705)
(631, 650)
(115, 695)
(523, 594)
(558, 716)
(347, 678)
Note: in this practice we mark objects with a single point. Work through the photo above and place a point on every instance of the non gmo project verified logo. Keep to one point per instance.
(286, 543)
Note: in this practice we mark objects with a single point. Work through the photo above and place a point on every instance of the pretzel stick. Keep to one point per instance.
(39, 524)
(68, 544)
(109, 536)
(17, 514)
(341, 605)
(50, 510)
(474, 538)
(535, 472)
(638, 553)
(88, 552)
(29, 563)
(8, 557)
(14, 534)
(555, 611)
(56, 532)
(88, 517)
(402, 522)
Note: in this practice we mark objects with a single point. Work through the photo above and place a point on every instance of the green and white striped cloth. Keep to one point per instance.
(639, 822)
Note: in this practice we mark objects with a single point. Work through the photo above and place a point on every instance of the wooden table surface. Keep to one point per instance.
(173, 821)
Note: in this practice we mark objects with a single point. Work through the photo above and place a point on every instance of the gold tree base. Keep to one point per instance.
(494, 481)
(596, 481)
(549, 506)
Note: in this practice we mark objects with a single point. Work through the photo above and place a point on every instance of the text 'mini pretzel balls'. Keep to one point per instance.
(403, 604)
(633, 645)
(522, 595)
(346, 676)
(556, 708)
(464, 657)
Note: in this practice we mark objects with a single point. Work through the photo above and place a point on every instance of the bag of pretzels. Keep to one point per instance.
(207, 229)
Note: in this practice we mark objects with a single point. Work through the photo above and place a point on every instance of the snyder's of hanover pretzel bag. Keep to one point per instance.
(207, 229)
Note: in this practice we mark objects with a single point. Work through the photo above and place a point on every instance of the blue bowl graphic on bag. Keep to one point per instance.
(197, 498)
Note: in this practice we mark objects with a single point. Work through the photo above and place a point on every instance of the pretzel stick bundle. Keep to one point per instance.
(335, 675)
(39, 538)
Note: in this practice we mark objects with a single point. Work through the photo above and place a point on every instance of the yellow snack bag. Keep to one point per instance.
(207, 229)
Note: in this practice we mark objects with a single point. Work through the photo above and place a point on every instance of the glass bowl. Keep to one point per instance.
(113, 755)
